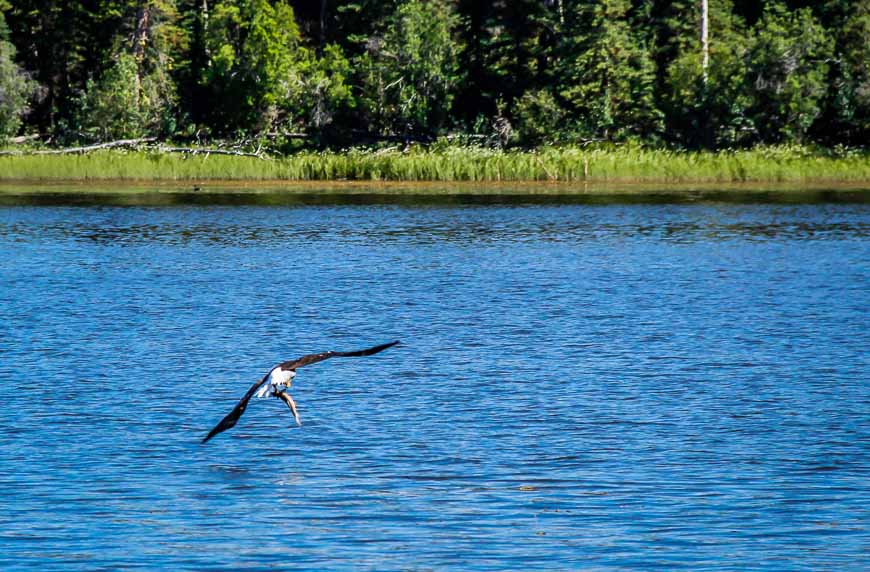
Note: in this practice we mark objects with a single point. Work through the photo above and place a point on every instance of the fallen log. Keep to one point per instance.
(140, 142)
(207, 151)
(84, 149)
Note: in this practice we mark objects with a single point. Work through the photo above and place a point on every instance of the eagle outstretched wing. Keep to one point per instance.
(233, 416)
(314, 358)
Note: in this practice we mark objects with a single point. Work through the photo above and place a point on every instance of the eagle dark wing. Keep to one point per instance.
(232, 417)
(314, 358)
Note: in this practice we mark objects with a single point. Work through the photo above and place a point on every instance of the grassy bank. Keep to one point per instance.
(764, 165)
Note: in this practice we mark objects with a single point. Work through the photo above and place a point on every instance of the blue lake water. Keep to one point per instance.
(583, 384)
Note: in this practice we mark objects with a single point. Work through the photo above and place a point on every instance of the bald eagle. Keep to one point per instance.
(278, 381)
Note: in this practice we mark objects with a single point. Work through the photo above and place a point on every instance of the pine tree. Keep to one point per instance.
(787, 71)
(252, 48)
(855, 50)
(411, 72)
(608, 76)
(846, 115)
(135, 95)
(709, 111)
(15, 86)
(60, 43)
(509, 50)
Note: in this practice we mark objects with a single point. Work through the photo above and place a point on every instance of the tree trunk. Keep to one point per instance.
(705, 43)
(322, 23)
(143, 30)
(140, 41)
(204, 16)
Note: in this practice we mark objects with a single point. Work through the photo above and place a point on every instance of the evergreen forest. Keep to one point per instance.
(501, 73)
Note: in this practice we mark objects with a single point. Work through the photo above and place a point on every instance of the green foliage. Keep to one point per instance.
(409, 74)
(323, 87)
(135, 95)
(4, 29)
(159, 42)
(15, 89)
(351, 23)
(608, 75)
(711, 112)
(60, 44)
(852, 88)
(254, 49)
(539, 118)
(787, 71)
(527, 72)
(119, 105)
(508, 50)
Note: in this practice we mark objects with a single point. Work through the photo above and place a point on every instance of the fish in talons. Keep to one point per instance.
(280, 380)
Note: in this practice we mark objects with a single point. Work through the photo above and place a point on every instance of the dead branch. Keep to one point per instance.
(25, 138)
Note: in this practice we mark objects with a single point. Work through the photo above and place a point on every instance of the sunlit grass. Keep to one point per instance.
(623, 164)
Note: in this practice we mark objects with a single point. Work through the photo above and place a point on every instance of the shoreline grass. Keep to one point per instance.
(455, 164)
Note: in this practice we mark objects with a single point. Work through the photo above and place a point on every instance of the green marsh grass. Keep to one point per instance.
(453, 164)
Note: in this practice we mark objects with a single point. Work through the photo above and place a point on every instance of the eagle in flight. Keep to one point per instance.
(278, 381)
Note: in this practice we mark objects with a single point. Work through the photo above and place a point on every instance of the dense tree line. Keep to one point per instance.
(505, 72)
